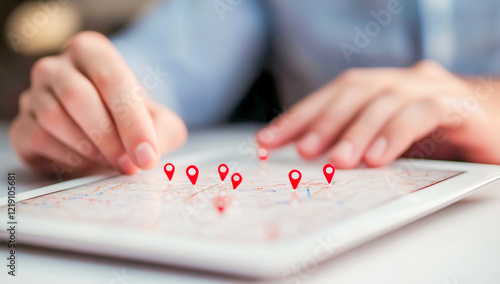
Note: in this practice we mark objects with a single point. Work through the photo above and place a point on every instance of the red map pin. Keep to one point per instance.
(220, 203)
(263, 153)
(192, 173)
(329, 171)
(223, 171)
(236, 180)
(169, 170)
(294, 177)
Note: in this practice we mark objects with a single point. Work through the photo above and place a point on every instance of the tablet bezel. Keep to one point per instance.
(263, 261)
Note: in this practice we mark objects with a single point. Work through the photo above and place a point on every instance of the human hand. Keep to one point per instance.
(85, 108)
(375, 115)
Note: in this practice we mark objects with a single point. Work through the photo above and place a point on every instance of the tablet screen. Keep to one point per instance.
(263, 208)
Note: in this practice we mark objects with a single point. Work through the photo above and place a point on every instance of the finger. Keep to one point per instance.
(292, 124)
(50, 115)
(81, 101)
(348, 151)
(289, 125)
(32, 142)
(123, 96)
(341, 111)
(164, 118)
(24, 102)
(412, 124)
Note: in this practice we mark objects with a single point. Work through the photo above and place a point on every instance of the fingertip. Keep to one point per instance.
(146, 156)
(342, 155)
(374, 157)
(304, 154)
(126, 166)
(339, 164)
(264, 137)
(309, 146)
(372, 163)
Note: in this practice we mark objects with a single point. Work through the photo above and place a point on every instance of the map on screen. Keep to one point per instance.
(264, 208)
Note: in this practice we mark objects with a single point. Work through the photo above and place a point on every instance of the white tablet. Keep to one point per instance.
(264, 228)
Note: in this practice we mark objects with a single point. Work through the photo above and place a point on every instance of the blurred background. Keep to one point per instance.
(33, 29)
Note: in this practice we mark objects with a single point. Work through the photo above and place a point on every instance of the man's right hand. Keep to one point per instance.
(85, 108)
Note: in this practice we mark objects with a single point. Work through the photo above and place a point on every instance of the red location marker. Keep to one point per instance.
(236, 180)
(263, 153)
(221, 203)
(294, 177)
(223, 171)
(192, 173)
(169, 170)
(329, 171)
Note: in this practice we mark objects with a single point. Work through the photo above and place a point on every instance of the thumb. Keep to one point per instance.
(171, 131)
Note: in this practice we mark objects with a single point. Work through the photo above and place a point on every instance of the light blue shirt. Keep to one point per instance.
(199, 57)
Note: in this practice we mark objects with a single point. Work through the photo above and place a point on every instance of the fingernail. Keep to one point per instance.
(126, 165)
(378, 148)
(310, 143)
(145, 155)
(265, 135)
(343, 151)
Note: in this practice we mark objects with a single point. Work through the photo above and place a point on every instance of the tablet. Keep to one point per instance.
(262, 229)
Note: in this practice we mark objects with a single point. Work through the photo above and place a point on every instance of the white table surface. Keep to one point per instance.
(458, 244)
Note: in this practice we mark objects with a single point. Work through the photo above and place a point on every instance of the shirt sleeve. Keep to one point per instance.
(197, 57)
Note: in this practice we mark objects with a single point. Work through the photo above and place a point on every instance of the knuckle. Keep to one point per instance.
(130, 125)
(428, 65)
(351, 75)
(368, 123)
(49, 114)
(339, 108)
(389, 96)
(86, 41)
(402, 91)
(388, 101)
(434, 103)
(106, 81)
(335, 113)
(43, 67)
(69, 95)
